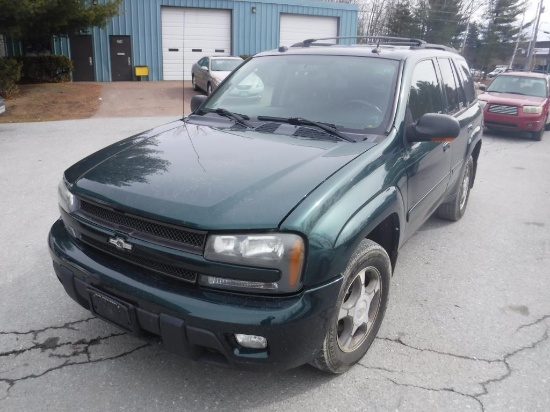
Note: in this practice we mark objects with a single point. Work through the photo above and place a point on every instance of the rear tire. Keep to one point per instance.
(455, 209)
(360, 309)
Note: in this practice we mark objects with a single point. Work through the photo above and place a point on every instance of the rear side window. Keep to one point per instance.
(451, 85)
(425, 94)
(466, 80)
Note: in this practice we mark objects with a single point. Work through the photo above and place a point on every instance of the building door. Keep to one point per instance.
(294, 28)
(121, 58)
(82, 55)
(190, 34)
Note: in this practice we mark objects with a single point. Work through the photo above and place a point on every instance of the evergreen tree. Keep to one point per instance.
(34, 22)
(401, 20)
(500, 31)
(473, 46)
(441, 21)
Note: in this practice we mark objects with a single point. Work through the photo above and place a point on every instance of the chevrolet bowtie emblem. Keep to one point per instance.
(120, 243)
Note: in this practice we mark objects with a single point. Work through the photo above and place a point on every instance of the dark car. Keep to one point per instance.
(262, 234)
(517, 101)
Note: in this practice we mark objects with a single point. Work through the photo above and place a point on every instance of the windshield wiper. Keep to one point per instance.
(300, 121)
(241, 119)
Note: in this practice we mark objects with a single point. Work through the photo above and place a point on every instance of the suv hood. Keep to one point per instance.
(206, 178)
(510, 99)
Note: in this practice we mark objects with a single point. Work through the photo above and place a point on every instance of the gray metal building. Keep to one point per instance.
(168, 36)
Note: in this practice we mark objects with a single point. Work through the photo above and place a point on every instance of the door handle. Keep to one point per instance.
(470, 127)
(446, 146)
(91, 61)
(129, 62)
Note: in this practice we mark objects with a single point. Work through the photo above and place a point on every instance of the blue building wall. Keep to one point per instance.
(251, 32)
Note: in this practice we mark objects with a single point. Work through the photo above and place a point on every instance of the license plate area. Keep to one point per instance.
(112, 310)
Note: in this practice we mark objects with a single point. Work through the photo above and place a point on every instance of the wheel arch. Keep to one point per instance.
(380, 220)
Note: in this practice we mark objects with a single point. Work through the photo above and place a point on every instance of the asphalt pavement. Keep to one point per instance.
(466, 328)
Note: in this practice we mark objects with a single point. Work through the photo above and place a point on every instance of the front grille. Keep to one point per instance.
(129, 223)
(502, 109)
(131, 257)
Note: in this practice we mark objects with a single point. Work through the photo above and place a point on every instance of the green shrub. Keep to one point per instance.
(244, 56)
(10, 73)
(46, 69)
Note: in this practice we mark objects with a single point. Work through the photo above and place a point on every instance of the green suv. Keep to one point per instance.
(262, 233)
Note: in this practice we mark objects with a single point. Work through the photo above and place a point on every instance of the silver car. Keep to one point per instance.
(2, 105)
(209, 72)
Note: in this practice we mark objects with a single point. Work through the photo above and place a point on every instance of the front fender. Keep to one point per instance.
(339, 214)
(370, 215)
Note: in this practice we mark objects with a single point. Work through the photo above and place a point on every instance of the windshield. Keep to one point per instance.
(528, 86)
(352, 93)
(224, 65)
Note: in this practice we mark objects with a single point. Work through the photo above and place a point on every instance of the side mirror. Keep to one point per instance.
(197, 102)
(204, 68)
(482, 87)
(434, 127)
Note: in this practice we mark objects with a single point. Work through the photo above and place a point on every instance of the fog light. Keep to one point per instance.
(251, 341)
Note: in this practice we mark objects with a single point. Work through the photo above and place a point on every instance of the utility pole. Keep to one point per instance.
(533, 43)
(520, 36)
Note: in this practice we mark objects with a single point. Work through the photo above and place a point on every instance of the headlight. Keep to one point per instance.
(281, 251)
(532, 109)
(482, 104)
(67, 201)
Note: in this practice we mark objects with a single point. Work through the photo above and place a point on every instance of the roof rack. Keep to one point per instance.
(379, 40)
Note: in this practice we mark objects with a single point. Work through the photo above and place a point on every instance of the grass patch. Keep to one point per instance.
(52, 101)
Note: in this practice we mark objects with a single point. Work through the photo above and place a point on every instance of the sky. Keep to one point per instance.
(544, 24)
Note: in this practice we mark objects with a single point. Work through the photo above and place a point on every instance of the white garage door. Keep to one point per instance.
(295, 28)
(190, 34)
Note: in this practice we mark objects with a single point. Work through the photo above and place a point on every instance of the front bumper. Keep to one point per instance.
(527, 123)
(196, 322)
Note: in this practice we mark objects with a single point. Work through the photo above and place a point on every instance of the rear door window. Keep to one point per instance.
(453, 89)
(467, 80)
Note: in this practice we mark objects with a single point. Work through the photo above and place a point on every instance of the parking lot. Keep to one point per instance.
(466, 328)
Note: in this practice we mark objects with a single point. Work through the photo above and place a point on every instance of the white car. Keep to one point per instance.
(208, 72)
(496, 72)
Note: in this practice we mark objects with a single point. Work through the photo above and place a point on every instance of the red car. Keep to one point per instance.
(517, 101)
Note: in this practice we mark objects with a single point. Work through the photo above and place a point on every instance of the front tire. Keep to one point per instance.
(538, 135)
(455, 209)
(208, 89)
(194, 83)
(360, 309)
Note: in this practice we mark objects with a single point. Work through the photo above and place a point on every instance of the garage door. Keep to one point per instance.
(188, 35)
(295, 28)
